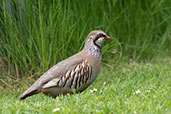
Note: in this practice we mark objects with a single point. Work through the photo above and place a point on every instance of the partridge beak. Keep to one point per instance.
(107, 38)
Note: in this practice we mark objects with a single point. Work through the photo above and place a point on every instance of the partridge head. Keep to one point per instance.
(76, 72)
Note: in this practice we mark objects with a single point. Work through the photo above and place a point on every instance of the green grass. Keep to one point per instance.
(116, 92)
(46, 32)
(49, 31)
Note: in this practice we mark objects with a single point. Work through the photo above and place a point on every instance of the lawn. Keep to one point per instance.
(136, 65)
(135, 88)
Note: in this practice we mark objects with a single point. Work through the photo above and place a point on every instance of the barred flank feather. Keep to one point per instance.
(73, 79)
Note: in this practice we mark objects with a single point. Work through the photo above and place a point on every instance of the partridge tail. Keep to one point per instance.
(30, 91)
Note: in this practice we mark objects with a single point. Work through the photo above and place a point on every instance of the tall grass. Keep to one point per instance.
(38, 34)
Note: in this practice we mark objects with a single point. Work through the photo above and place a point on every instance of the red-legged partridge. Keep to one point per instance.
(76, 72)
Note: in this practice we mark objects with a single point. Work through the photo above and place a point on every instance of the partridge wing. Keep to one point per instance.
(75, 78)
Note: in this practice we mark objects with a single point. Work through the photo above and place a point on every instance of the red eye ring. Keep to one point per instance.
(101, 35)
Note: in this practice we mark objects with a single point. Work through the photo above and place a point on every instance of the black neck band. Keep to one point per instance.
(95, 42)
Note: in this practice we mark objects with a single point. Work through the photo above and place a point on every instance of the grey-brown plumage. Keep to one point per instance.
(76, 72)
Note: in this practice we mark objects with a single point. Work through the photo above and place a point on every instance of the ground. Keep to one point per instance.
(135, 88)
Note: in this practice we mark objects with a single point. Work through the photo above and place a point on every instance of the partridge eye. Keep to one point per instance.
(101, 35)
